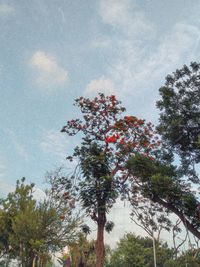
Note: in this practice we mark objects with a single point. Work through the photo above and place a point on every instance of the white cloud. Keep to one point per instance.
(114, 11)
(123, 16)
(54, 144)
(101, 85)
(39, 194)
(49, 72)
(6, 9)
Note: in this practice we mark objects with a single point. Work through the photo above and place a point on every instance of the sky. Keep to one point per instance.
(53, 51)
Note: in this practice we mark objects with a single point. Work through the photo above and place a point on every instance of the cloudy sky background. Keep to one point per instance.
(54, 51)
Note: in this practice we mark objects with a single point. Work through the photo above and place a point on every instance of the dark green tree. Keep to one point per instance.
(179, 127)
(187, 258)
(173, 187)
(135, 251)
(179, 122)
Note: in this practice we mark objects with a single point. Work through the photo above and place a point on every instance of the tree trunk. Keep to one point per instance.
(100, 249)
(33, 263)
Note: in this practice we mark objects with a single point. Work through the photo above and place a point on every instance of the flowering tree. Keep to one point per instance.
(109, 140)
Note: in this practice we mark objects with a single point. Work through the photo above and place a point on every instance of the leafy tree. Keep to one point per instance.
(135, 251)
(163, 184)
(180, 116)
(31, 231)
(132, 251)
(21, 200)
(185, 259)
(108, 141)
(179, 127)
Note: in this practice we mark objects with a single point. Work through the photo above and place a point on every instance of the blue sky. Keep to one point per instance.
(52, 51)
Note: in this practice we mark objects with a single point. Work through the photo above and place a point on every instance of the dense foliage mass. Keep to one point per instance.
(180, 116)
(29, 231)
(174, 188)
(136, 251)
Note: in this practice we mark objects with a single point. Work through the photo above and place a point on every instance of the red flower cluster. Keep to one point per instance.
(134, 120)
(112, 139)
(112, 98)
(129, 118)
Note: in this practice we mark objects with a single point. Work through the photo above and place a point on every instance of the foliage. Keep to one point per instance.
(135, 251)
(109, 226)
(180, 116)
(82, 251)
(173, 188)
(179, 126)
(108, 141)
(185, 259)
(31, 231)
(85, 229)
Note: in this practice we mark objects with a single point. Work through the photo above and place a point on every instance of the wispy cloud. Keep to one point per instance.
(122, 15)
(6, 9)
(18, 146)
(49, 73)
(141, 70)
(139, 58)
(54, 144)
(111, 11)
(101, 85)
(129, 49)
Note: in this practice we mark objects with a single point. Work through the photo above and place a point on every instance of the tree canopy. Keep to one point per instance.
(31, 231)
(161, 181)
(179, 122)
(136, 251)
